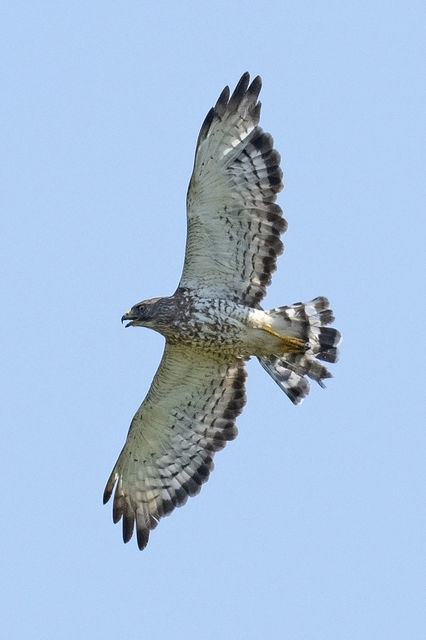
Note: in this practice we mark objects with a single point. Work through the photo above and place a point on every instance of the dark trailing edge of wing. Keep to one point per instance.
(222, 429)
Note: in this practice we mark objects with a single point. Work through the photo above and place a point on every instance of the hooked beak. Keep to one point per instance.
(128, 317)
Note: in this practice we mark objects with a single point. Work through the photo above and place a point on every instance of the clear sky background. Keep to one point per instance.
(312, 525)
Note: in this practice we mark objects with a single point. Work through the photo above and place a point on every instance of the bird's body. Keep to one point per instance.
(215, 325)
(214, 322)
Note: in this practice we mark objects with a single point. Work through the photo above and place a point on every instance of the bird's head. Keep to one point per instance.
(142, 314)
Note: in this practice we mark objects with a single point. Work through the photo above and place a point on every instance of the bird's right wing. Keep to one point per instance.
(187, 415)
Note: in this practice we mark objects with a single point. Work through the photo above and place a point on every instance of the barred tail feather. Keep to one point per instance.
(305, 321)
(293, 384)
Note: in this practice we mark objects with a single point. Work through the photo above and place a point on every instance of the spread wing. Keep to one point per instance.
(187, 415)
(234, 225)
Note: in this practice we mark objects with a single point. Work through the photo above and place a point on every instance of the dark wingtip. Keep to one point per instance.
(239, 91)
(142, 536)
(255, 86)
(107, 493)
(128, 525)
(222, 101)
(109, 486)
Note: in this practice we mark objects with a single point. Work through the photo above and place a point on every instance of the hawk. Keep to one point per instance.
(214, 322)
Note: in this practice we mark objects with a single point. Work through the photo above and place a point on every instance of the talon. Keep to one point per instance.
(290, 344)
(294, 345)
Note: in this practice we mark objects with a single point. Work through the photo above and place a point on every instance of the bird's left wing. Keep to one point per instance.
(187, 415)
(234, 225)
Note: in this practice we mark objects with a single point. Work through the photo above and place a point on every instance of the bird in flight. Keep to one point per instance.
(214, 322)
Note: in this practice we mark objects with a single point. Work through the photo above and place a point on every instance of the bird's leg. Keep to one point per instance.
(290, 344)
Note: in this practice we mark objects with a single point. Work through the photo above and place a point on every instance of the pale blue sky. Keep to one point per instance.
(312, 525)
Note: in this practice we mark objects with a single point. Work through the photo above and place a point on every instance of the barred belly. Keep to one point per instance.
(210, 324)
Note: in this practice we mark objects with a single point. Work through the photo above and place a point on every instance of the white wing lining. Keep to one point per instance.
(187, 415)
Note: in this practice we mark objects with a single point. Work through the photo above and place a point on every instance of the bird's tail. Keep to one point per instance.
(307, 321)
